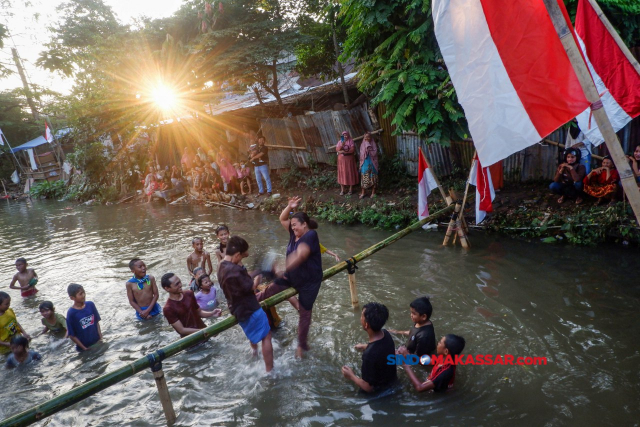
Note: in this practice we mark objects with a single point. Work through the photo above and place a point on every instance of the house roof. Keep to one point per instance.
(39, 141)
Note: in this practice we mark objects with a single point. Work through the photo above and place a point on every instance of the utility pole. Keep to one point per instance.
(27, 91)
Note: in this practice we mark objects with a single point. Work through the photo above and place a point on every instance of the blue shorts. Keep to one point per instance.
(153, 313)
(256, 327)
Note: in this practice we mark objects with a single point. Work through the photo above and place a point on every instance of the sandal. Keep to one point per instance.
(578, 200)
(561, 200)
(361, 196)
(342, 193)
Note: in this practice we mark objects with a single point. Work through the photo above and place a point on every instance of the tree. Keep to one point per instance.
(400, 65)
(248, 44)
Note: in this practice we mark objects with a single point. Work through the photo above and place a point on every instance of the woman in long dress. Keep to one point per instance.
(227, 171)
(347, 170)
(368, 165)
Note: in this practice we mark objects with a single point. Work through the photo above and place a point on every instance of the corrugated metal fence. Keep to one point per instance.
(300, 138)
(536, 162)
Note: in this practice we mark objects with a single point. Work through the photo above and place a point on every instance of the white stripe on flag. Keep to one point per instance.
(497, 119)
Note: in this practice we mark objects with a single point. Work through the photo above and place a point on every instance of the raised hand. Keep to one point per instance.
(294, 202)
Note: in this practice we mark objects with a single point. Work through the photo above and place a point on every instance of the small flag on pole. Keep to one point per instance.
(47, 133)
(426, 182)
(484, 189)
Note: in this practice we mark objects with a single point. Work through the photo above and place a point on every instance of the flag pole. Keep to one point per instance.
(623, 47)
(447, 199)
(3, 137)
(466, 190)
(591, 92)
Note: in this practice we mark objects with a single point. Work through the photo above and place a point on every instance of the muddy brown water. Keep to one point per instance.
(576, 306)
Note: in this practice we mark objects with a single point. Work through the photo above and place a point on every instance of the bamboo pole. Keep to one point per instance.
(591, 92)
(557, 144)
(96, 385)
(358, 138)
(163, 392)
(353, 290)
(623, 47)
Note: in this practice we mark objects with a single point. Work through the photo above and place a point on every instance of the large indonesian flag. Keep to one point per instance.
(426, 182)
(481, 178)
(511, 74)
(48, 136)
(617, 80)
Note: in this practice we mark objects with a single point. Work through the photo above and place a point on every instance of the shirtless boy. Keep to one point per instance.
(199, 257)
(222, 232)
(26, 278)
(142, 291)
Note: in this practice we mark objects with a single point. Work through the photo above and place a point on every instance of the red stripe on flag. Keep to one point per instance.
(422, 165)
(535, 61)
(613, 67)
(483, 188)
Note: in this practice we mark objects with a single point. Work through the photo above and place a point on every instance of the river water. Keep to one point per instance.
(576, 306)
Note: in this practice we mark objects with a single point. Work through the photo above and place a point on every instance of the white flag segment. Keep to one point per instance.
(510, 71)
(485, 193)
(426, 182)
(1, 137)
(48, 136)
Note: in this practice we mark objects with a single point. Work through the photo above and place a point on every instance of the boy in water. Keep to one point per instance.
(376, 374)
(142, 291)
(181, 309)
(20, 353)
(422, 337)
(239, 289)
(26, 278)
(83, 320)
(222, 232)
(443, 374)
(9, 326)
(199, 257)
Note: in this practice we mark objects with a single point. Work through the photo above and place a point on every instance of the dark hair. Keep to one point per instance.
(19, 340)
(4, 296)
(196, 269)
(133, 262)
(573, 151)
(454, 343)
(73, 289)
(423, 306)
(46, 305)
(199, 280)
(197, 238)
(21, 260)
(220, 228)
(236, 245)
(304, 218)
(165, 281)
(376, 315)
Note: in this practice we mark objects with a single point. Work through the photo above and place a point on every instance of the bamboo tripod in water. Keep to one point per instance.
(153, 360)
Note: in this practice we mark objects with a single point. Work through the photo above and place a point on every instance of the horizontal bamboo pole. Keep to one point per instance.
(557, 144)
(92, 387)
(285, 147)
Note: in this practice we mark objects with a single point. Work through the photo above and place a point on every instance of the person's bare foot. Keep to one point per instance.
(299, 353)
(578, 200)
(561, 200)
(361, 196)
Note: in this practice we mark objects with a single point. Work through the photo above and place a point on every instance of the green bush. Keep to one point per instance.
(48, 189)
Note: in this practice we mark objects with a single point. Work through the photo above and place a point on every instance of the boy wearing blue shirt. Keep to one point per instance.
(83, 320)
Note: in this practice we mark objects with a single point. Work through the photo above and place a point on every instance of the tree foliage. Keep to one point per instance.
(400, 65)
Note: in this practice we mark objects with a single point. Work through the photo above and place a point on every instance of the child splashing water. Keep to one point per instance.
(20, 353)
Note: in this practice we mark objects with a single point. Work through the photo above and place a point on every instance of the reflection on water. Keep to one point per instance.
(576, 306)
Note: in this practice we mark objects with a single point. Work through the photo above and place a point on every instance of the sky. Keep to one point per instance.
(30, 35)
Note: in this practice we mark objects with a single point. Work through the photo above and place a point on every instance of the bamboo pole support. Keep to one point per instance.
(163, 392)
(557, 144)
(591, 92)
(92, 387)
(351, 272)
(623, 47)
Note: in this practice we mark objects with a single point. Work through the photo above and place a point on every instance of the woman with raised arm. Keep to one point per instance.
(303, 267)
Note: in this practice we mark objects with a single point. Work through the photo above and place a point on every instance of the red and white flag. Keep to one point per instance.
(511, 74)
(426, 182)
(47, 133)
(484, 189)
(617, 80)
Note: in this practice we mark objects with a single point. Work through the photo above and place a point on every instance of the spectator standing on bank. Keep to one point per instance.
(260, 161)
(347, 170)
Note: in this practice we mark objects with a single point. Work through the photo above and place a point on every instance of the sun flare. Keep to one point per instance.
(164, 97)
